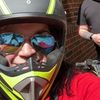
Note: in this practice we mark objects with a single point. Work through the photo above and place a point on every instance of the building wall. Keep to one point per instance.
(77, 48)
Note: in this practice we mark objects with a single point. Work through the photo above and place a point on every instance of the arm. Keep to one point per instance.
(84, 32)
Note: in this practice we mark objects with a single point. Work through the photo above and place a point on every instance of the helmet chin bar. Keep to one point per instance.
(31, 88)
(32, 64)
(33, 80)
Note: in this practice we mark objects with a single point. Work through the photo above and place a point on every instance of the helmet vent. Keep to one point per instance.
(26, 89)
(31, 88)
(31, 91)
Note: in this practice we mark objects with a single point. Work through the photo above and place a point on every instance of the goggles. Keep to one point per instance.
(10, 42)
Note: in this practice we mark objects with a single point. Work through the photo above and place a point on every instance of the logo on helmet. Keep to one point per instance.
(28, 1)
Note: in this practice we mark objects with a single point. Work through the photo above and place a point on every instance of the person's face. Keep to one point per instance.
(27, 30)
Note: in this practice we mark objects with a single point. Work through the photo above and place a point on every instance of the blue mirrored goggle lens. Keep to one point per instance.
(11, 39)
(10, 42)
(46, 42)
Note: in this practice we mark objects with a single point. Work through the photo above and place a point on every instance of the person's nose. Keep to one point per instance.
(27, 50)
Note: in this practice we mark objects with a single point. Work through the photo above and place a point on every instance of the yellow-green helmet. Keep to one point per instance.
(35, 82)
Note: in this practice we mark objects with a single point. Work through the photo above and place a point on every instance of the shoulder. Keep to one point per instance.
(86, 85)
(87, 77)
(86, 3)
(84, 75)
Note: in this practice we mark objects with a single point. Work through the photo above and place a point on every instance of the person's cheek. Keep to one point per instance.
(10, 59)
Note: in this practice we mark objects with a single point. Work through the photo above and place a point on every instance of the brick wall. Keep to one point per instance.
(77, 48)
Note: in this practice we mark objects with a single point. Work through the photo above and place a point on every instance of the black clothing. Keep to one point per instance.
(98, 51)
(97, 0)
(89, 14)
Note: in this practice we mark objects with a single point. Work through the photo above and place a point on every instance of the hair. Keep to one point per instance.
(64, 77)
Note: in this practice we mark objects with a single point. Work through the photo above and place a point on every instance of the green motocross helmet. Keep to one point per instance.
(33, 83)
